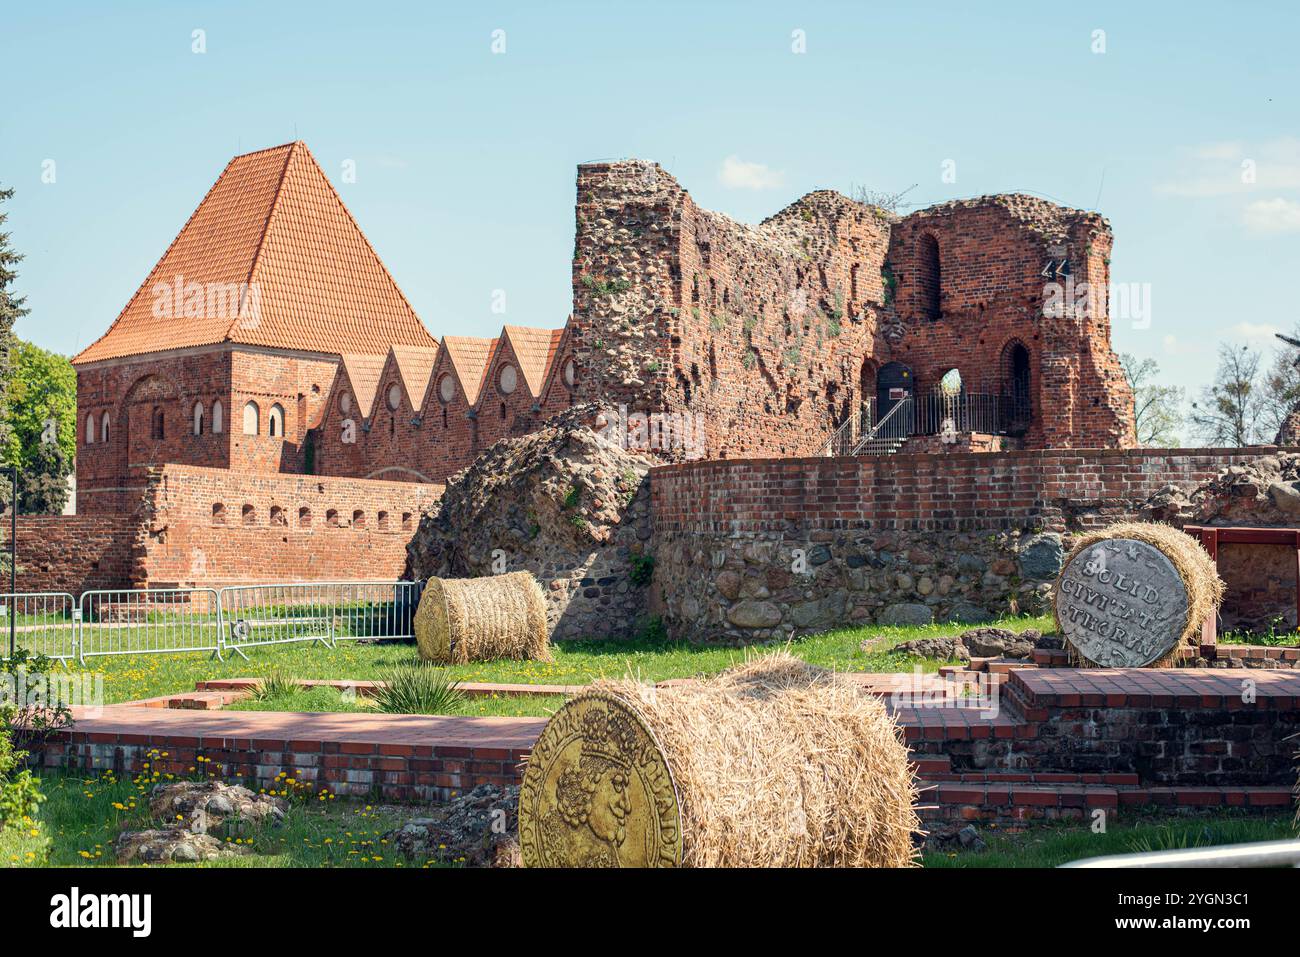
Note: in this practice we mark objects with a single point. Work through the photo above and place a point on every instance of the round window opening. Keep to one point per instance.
(394, 396)
(446, 388)
(509, 379)
(345, 403)
(570, 373)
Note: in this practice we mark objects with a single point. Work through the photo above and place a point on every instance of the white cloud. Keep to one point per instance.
(1220, 168)
(1254, 331)
(739, 174)
(1273, 216)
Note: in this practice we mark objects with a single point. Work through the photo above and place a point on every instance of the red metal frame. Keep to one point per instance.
(1212, 536)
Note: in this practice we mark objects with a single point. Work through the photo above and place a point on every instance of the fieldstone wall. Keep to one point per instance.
(564, 503)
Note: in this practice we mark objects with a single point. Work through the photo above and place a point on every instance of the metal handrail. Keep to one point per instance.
(1255, 854)
(889, 416)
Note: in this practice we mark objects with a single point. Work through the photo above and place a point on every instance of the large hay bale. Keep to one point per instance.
(775, 763)
(1132, 594)
(482, 619)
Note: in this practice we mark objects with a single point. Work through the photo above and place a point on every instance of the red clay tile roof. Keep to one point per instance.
(469, 357)
(363, 373)
(534, 348)
(414, 365)
(274, 225)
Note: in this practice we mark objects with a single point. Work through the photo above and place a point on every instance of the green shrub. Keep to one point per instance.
(643, 569)
(276, 684)
(20, 791)
(36, 707)
(418, 689)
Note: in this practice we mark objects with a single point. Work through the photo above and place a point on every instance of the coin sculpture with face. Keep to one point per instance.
(1122, 603)
(597, 792)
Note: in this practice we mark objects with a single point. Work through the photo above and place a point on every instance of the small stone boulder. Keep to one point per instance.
(754, 614)
(996, 643)
(203, 806)
(479, 829)
(943, 648)
(172, 845)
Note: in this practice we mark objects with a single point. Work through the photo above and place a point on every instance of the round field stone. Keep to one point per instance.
(1122, 603)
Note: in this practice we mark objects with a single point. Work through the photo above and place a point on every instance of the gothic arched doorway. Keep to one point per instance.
(894, 383)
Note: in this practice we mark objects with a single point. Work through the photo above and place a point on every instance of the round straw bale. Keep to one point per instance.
(1130, 595)
(775, 763)
(482, 619)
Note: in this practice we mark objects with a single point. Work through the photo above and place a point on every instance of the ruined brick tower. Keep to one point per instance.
(773, 334)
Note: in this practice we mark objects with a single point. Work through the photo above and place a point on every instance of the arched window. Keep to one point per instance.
(103, 429)
(928, 277)
(331, 517)
(198, 418)
(218, 513)
(90, 429)
(275, 421)
(252, 419)
(158, 424)
(382, 518)
(304, 517)
(277, 516)
(249, 515)
(218, 417)
(394, 396)
(359, 519)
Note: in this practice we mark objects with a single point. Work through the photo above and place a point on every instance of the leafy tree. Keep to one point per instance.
(43, 426)
(1157, 409)
(1232, 410)
(11, 310)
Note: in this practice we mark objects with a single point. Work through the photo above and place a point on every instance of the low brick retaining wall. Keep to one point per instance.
(766, 548)
(1062, 744)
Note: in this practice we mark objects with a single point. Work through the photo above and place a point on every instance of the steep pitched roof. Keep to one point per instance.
(415, 365)
(469, 357)
(363, 371)
(535, 350)
(274, 226)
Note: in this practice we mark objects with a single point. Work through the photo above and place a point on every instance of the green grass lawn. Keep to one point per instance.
(81, 817)
(132, 677)
(1051, 845)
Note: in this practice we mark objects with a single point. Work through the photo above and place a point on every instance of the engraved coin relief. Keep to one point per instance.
(597, 793)
(1122, 603)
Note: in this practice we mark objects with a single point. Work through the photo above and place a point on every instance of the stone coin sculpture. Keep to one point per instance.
(1122, 604)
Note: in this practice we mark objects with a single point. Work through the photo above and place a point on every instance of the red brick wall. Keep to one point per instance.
(1056, 490)
(73, 553)
(274, 540)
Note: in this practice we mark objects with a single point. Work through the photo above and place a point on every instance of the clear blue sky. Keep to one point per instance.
(466, 159)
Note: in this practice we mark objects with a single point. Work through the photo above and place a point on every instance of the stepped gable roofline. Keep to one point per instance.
(271, 257)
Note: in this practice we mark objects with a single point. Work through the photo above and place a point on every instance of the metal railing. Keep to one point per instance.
(142, 621)
(43, 623)
(325, 612)
(931, 413)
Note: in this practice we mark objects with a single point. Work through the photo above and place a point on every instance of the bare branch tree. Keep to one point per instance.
(1231, 412)
(1157, 409)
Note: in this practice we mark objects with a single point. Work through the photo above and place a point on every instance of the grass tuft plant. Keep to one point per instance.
(419, 689)
(276, 684)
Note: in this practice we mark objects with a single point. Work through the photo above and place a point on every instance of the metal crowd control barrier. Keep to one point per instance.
(149, 621)
(327, 612)
(44, 623)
